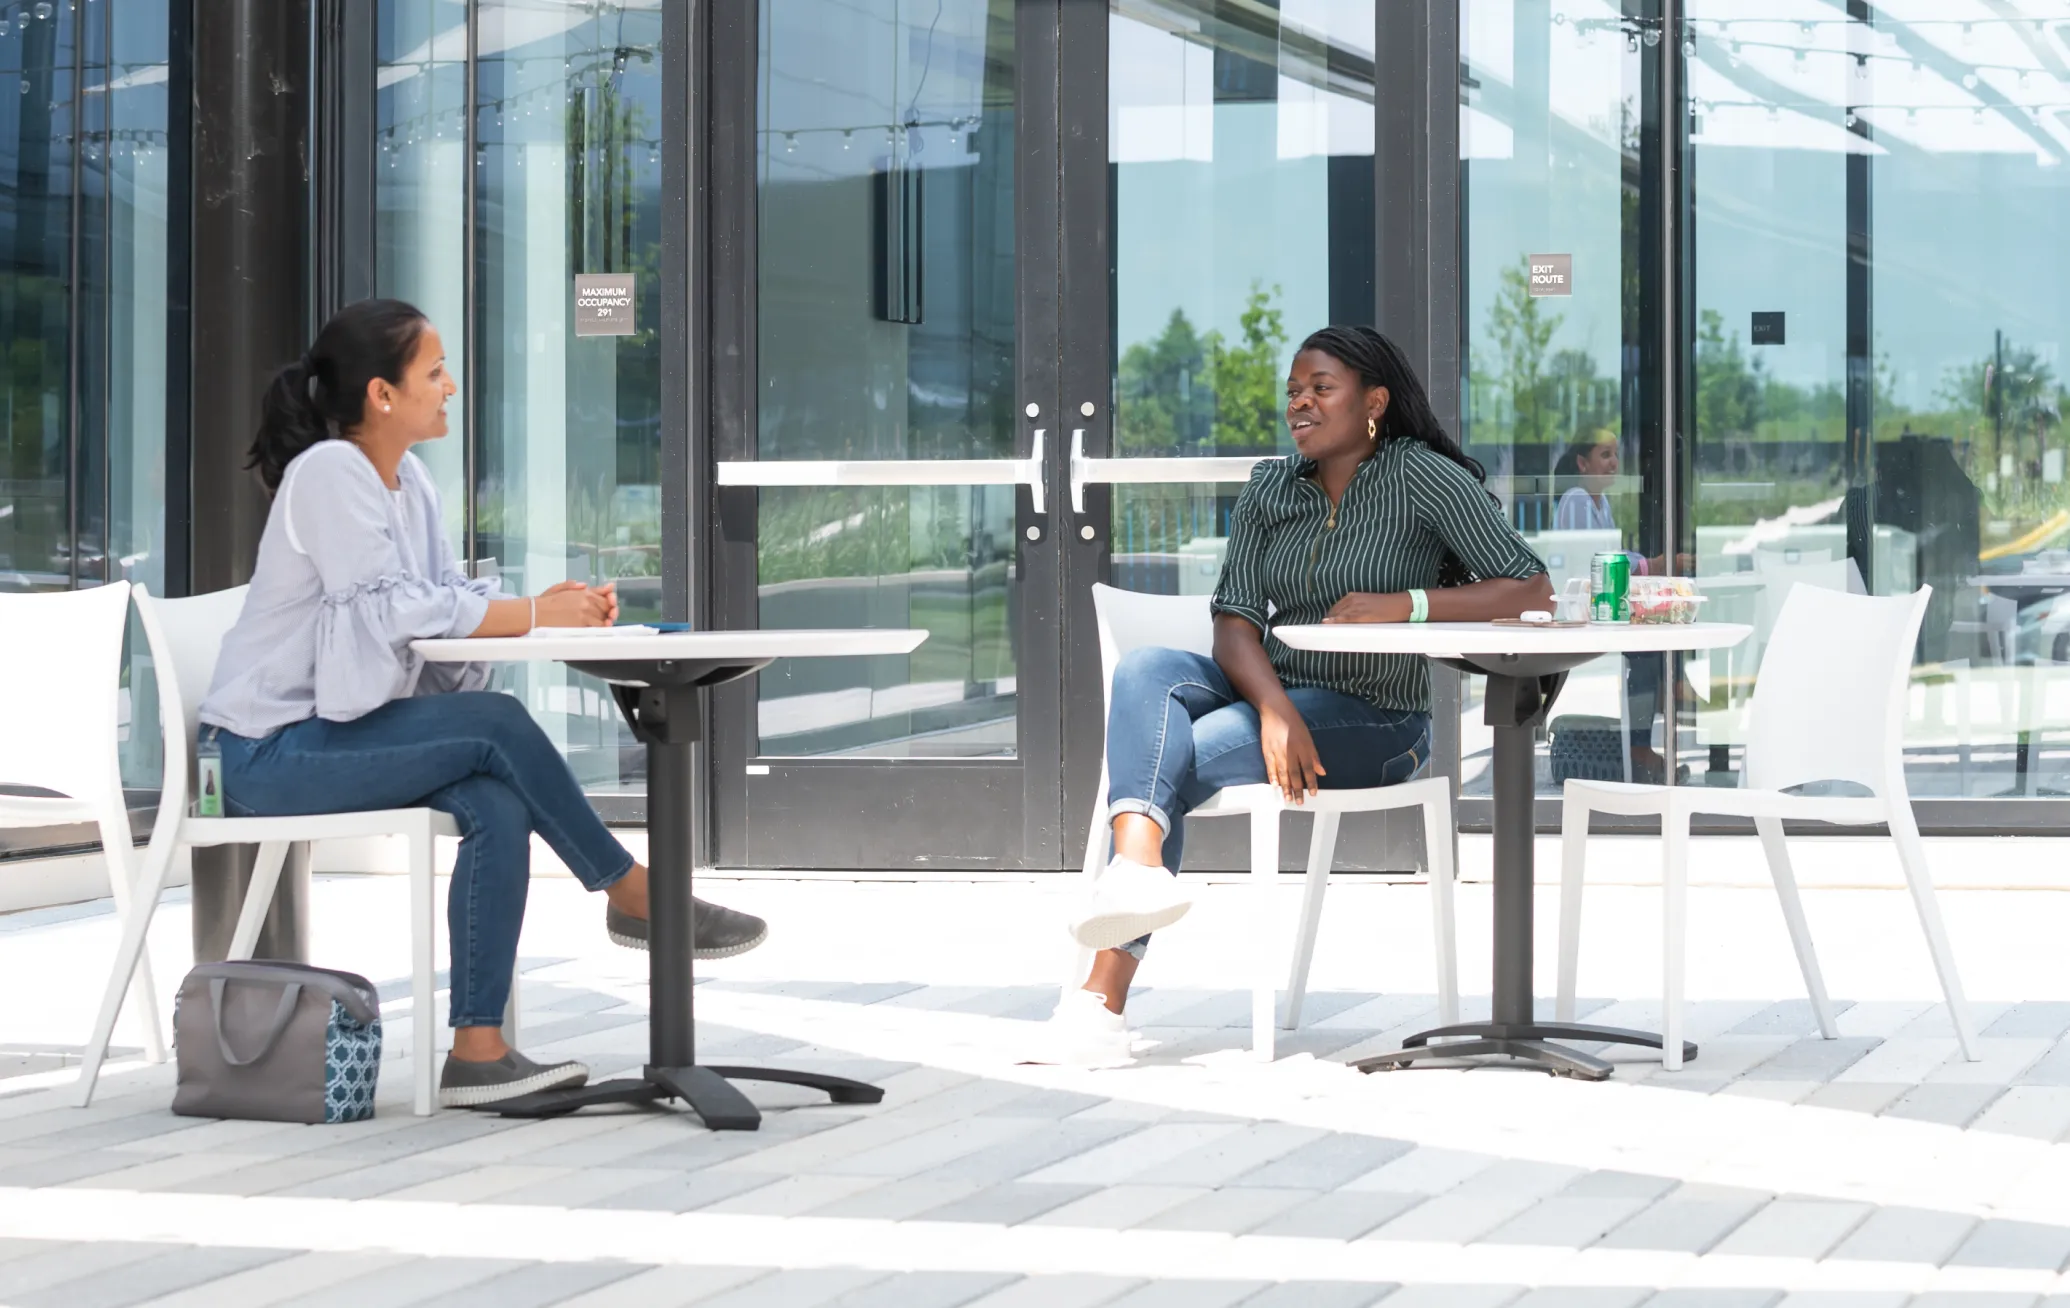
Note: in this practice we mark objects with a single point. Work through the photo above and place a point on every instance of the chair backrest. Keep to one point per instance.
(1132, 619)
(1829, 701)
(184, 636)
(60, 678)
(1567, 554)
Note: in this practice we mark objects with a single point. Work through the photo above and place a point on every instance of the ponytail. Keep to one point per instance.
(322, 395)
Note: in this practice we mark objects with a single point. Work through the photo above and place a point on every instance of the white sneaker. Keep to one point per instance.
(1129, 900)
(1083, 1032)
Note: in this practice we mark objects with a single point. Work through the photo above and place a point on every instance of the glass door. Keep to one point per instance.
(888, 431)
(1019, 285)
(1219, 185)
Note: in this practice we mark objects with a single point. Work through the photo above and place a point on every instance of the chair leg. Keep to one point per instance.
(423, 968)
(1574, 815)
(1322, 852)
(1674, 877)
(1778, 851)
(119, 851)
(129, 955)
(1904, 832)
(1097, 833)
(1264, 878)
(1437, 848)
(1624, 715)
(258, 898)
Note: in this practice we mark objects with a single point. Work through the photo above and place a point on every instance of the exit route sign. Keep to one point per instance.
(1552, 274)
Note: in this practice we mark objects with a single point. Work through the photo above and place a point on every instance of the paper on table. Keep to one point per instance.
(630, 629)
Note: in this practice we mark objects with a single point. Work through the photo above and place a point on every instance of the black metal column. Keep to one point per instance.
(1417, 278)
(1515, 708)
(1861, 363)
(251, 114)
(341, 200)
(671, 917)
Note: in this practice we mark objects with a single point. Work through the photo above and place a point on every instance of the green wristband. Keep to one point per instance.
(1419, 606)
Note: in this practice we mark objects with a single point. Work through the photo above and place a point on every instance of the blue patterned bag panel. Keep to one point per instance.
(351, 1066)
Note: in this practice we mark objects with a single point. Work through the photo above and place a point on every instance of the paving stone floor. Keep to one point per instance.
(1875, 1169)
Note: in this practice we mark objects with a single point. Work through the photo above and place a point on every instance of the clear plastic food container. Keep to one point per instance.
(1660, 600)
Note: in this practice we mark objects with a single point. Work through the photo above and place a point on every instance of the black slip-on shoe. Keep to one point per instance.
(465, 1084)
(721, 932)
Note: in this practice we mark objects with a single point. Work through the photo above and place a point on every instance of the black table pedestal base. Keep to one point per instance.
(659, 702)
(1520, 693)
(707, 1090)
(1523, 1042)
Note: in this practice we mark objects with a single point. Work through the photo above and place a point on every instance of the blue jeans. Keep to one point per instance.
(473, 754)
(1177, 732)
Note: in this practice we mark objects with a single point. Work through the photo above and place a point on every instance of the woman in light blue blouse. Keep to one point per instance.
(1589, 468)
(319, 705)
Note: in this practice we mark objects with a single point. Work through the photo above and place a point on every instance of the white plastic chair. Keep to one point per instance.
(61, 664)
(1828, 705)
(185, 636)
(1131, 620)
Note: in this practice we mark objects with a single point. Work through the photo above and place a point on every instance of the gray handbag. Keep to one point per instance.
(276, 1042)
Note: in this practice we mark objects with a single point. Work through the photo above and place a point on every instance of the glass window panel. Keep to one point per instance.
(935, 557)
(136, 157)
(886, 294)
(1769, 152)
(1964, 105)
(1241, 154)
(36, 177)
(131, 151)
(1878, 354)
(1550, 155)
(567, 486)
(420, 198)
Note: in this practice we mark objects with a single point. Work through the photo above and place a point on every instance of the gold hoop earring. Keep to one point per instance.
(1372, 429)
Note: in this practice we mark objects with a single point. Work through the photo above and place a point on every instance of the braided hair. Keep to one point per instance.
(1378, 361)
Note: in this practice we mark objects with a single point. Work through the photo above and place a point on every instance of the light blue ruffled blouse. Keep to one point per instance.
(349, 573)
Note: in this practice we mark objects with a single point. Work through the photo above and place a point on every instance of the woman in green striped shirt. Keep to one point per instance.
(1379, 517)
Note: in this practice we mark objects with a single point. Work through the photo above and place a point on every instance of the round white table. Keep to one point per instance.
(1526, 668)
(655, 680)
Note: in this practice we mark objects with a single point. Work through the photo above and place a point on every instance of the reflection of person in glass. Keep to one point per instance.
(1592, 466)
(1378, 517)
(319, 706)
(1589, 468)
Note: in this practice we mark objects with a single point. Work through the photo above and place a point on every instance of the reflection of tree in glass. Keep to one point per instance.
(1189, 393)
(2012, 395)
(1729, 387)
(1544, 396)
(1753, 429)
(1523, 331)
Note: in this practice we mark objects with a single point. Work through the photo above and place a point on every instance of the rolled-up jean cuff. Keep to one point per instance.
(1142, 806)
(611, 879)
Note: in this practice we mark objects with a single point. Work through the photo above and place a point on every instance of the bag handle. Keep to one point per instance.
(289, 994)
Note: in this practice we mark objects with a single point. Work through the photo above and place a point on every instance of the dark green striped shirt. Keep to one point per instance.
(1290, 558)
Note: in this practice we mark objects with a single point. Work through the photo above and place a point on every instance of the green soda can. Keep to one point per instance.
(1610, 583)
